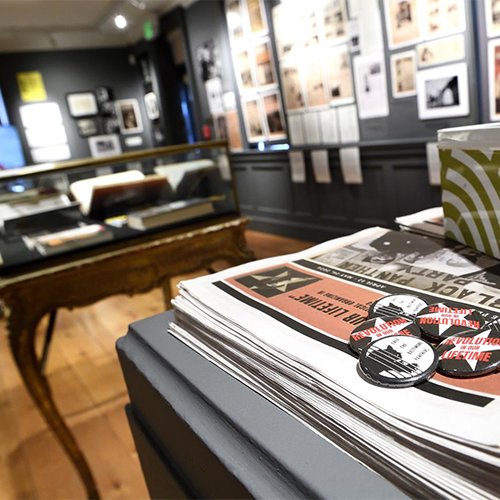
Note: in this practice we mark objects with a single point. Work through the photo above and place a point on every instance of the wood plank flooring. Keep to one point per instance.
(88, 387)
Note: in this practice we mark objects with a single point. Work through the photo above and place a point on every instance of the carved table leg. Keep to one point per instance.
(22, 344)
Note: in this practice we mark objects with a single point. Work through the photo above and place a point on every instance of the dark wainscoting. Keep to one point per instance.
(395, 183)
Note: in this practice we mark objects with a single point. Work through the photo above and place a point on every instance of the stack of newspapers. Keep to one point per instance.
(282, 325)
(428, 222)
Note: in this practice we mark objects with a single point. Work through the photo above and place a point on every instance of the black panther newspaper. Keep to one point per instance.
(304, 306)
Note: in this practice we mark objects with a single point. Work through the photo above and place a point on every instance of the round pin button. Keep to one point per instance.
(398, 361)
(377, 328)
(442, 320)
(470, 354)
(405, 305)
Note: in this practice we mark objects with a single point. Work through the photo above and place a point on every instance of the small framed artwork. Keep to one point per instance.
(403, 70)
(254, 124)
(494, 78)
(257, 19)
(339, 76)
(82, 104)
(87, 127)
(443, 92)
(441, 51)
(292, 86)
(129, 116)
(110, 125)
(443, 17)
(235, 20)
(103, 94)
(244, 70)
(105, 145)
(402, 21)
(264, 64)
(492, 12)
(151, 103)
(275, 120)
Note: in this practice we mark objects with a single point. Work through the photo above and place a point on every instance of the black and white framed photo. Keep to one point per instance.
(82, 104)
(443, 92)
(129, 116)
(151, 103)
(105, 145)
(110, 125)
(103, 94)
(87, 127)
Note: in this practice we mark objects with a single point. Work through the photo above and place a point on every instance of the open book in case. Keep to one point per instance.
(54, 209)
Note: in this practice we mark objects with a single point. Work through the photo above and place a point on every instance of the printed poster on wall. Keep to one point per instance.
(371, 85)
(338, 67)
(292, 86)
(235, 20)
(286, 26)
(334, 18)
(274, 117)
(315, 84)
(441, 51)
(443, 17)
(403, 70)
(31, 86)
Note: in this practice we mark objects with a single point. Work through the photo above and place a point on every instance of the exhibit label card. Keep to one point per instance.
(350, 163)
(297, 166)
(296, 129)
(321, 166)
(348, 123)
(371, 85)
(329, 126)
(313, 134)
(433, 163)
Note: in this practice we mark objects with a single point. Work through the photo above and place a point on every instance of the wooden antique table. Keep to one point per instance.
(129, 267)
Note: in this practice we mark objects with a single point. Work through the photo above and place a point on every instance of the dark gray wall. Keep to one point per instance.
(395, 183)
(71, 71)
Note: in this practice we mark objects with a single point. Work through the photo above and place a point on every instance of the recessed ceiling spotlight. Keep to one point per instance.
(120, 21)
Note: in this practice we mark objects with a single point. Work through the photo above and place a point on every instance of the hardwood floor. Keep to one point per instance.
(87, 383)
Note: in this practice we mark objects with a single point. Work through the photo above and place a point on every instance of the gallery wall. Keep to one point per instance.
(73, 71)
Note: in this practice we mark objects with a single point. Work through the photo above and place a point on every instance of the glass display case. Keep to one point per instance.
(54, 209)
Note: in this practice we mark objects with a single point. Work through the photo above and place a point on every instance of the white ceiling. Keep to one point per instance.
(27, 25)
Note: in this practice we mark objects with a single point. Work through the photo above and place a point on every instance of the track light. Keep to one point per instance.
(120, 21)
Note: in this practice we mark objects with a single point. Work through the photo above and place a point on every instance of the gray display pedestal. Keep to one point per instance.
(201, 433)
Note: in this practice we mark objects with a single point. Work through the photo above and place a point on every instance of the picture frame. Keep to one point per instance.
(264, 64)
(339, 78)
(441, 51)
(151, 103)
(274, 118)
(82, 104)
(102, 146)
(443, 92)
(315, 88)
(443, 22)
(493, 74)
(110, 125)
(253, 119)
(103, 94)
(492, 24)
(235, 21)
(286, 26)
(88, 127)
(333, 22)
(244, 69)
(129, 116)
(256, 18)
(403, 74)
(293, 86)
(403, 22)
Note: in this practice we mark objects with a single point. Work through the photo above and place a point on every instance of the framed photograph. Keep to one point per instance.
(286, 26)
(339, 77)
(244, 71)
(233, 130)
(314, 80)
(104, 145)
(209, 62)
(443, 92)
(371, 85)
(292, 86)
(402, 22)
(151, 103)
(403, 70)
(254, 124)
(110, 125)
(129, 116)
(443, 17)
(235, 21)
(275, 120)
(308, 25)
(82, 104)
(87, 127)
(103, 94)
(213, 89)
(492, 12)
(257, 19)
(264, 64)
(334, 17)
(494, 78)
(441, 51)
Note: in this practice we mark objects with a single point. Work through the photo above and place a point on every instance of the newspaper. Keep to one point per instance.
(428, 222)
(282, 326)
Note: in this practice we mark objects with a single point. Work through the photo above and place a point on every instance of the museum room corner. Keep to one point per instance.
(249, 249)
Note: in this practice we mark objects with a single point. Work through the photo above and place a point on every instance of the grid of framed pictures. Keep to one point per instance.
(255, 70)
(315, 66)
(435, 29)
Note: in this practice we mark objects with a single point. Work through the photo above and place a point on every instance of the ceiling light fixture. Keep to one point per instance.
(120, 21)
